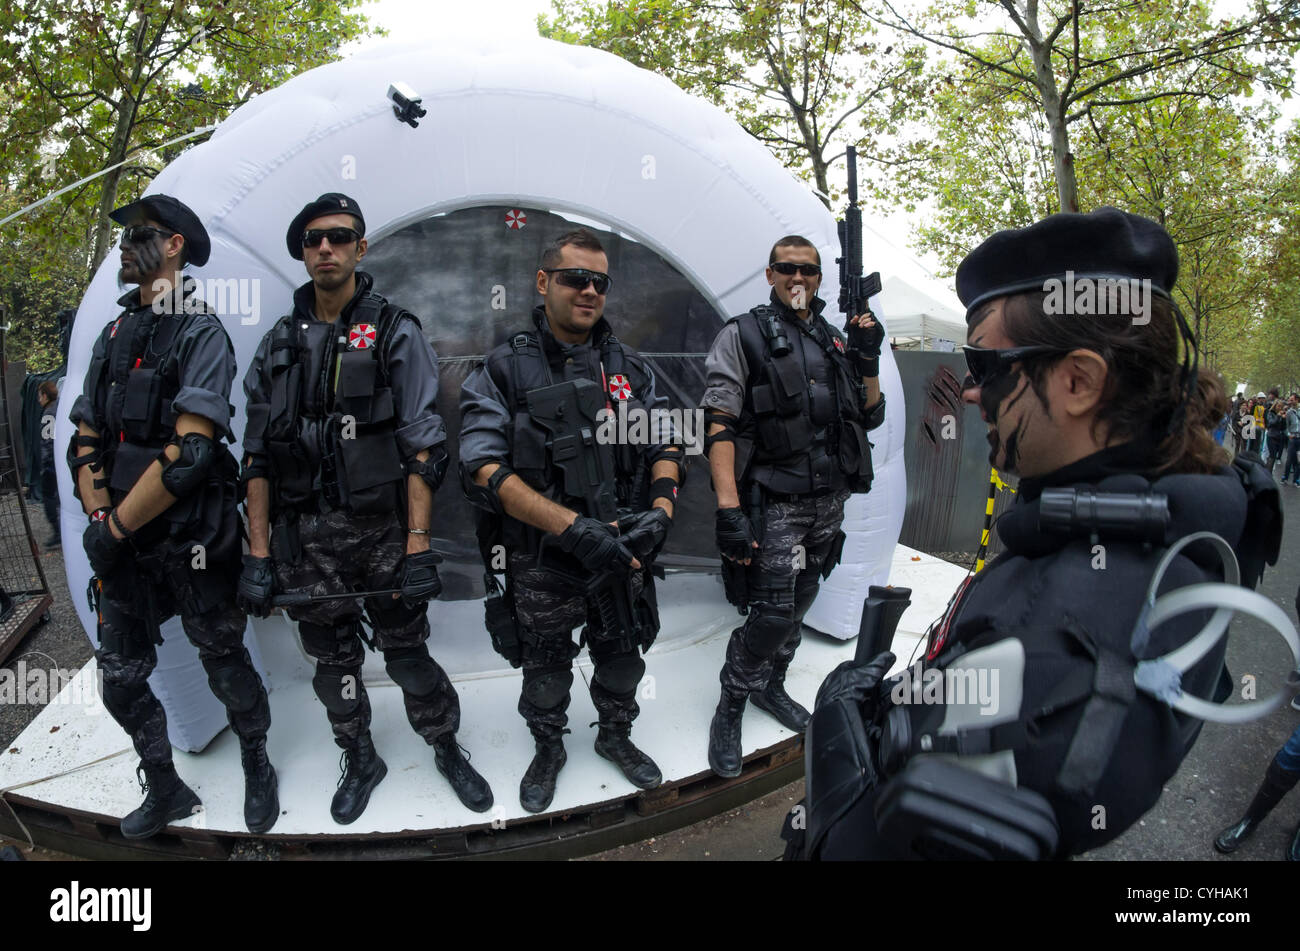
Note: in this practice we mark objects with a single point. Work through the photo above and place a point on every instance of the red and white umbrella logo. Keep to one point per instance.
(516, 219)
(619, 388)
(361, 337)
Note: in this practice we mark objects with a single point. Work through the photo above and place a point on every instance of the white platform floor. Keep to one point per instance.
(73, 755)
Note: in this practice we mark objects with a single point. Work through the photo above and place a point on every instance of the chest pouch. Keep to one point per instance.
(370, 465)
(784, 428)
(142, 405)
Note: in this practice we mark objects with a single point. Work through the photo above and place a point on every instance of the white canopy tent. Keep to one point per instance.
(918, 316)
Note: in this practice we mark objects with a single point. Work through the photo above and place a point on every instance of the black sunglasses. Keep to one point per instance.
(139, 234)
(579, 277)
(313, 238)
(984, 365)
(786, 268)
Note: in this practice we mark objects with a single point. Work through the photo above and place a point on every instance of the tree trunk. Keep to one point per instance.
(108, 195)
(1067, 189)
(819, 175)
(118, 149)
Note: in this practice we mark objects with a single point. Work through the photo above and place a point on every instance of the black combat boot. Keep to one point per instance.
(537, 788)
(774, 700)
(261, 788)
(1277, 783)
(362, 772)
(471, 788)
(725, 755)
(614, 744)
(168, 799)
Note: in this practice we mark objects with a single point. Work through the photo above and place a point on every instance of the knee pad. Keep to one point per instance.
(412, 669)
(768, 627)
(546, 689)
(234, 683)
(620, 675)
(339, 688)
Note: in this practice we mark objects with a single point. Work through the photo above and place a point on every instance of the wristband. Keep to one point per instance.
(113, 517)
(417, 531)
(665, 488)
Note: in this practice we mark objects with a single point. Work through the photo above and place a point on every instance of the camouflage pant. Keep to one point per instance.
(783, 579)
(127, 657)
(548, 608)
(342, 552)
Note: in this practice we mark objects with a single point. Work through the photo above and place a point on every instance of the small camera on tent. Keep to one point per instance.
(406, 104)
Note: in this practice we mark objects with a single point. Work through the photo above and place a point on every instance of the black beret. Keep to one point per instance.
(1106, 243)
(170, 213)
(327, 204)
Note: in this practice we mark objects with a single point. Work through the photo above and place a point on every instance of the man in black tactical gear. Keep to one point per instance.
(344, 450)
(150, 469)
(510, 469)
(1109, 428)
(788, 404)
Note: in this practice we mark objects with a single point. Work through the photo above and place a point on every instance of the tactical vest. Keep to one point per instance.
(529, 364)
(800, 428)
(331, 431)
(132, 388)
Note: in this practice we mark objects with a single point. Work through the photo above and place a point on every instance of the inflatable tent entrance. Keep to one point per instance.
(521, 140)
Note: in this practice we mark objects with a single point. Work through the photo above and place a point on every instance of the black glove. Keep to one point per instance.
(595, 544)
(102, 548)
(735, 534)
(857, 682)
(646, 533)
(418, 578)
(866, 340)
(255, 587)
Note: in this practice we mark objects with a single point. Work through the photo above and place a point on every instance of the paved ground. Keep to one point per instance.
(1216, 782)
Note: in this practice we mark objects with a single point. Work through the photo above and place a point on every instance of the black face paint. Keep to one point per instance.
(1012, 461)
(992, 394)
(148, 257)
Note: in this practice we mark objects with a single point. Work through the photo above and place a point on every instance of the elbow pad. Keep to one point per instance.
(726, 434)
(184, 475)
(485, 497)
(93, 459)
(432, 470)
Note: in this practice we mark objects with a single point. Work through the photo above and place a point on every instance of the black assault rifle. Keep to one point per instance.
(855, 287)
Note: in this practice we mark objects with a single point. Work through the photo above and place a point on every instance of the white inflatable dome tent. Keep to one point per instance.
(580, 136)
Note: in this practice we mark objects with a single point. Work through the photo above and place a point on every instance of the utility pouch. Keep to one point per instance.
(647, 609)
(855, 456)
(356, 385)
(141, 404)
(734, 584)
(286, 545)
(370, 467)
(129, 463)
(833, 554)
(499, 618)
